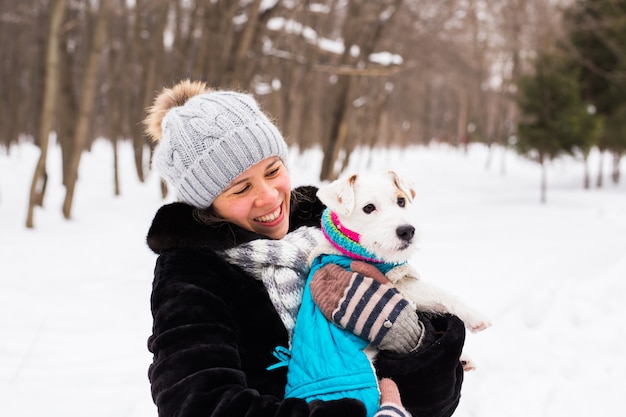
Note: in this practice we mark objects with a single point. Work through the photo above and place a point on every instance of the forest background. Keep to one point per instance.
(547, 77)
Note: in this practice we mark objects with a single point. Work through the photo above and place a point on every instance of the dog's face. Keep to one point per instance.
(378, 208)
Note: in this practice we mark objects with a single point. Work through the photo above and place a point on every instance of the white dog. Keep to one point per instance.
(376, 208)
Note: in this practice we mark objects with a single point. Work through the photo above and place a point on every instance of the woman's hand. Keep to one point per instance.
(390, 403)
(373, 310)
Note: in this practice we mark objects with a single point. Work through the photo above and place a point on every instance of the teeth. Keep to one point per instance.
(270, 217)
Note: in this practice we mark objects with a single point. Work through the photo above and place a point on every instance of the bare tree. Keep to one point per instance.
(86, 104)
(311, 64)
(362, 29)
(40, 177)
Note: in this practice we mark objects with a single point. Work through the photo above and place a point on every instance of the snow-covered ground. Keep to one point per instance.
(74, 295)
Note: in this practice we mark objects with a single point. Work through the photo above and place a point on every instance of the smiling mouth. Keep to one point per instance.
(268, 218)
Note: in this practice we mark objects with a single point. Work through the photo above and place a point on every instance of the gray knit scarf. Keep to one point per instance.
(282, 267)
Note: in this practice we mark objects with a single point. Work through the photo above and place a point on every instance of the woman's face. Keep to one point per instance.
(258, 199)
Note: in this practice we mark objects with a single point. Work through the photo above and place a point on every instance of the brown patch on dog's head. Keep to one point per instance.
(403, 188)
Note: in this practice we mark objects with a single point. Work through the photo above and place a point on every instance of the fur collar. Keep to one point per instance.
(175, 227)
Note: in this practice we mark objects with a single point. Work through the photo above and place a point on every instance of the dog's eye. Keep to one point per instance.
(369, 208)
(401, 201)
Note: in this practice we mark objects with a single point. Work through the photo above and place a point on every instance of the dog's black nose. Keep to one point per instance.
(405, 232)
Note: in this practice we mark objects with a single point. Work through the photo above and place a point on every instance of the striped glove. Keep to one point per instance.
(366, 307)
(390, 404)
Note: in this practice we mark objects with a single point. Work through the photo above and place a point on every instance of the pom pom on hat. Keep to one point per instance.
(206, 138)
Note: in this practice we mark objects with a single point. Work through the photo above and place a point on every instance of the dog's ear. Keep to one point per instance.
(405, 185)
(338, 196)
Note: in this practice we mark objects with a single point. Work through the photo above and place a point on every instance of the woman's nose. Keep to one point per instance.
(266, 194)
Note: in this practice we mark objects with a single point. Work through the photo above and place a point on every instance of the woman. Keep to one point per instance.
(229, 276)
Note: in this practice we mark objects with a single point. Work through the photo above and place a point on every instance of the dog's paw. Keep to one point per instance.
(402, 272)
(468, 364)
(477, 323)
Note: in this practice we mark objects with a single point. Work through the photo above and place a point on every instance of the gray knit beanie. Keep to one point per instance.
(210, 140)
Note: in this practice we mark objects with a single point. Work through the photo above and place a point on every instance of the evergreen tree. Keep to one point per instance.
(597, 41)
(615, 139)
(555, 120)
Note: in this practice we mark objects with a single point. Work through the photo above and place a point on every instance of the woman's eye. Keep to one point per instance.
(273, 172)
(401, 201)
(369, 208)
(242, 190)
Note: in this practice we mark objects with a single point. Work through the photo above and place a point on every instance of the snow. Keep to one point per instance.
(74, 299)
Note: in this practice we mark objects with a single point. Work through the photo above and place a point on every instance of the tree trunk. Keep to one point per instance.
(338, 129)
(13, 92)
(114, 129)
(599, 180)
(86, 104)
(38, 184)
(587, 179)
(246, 42)
(489, 155)
(200, 66)
(116, 171)
(462, 122)
(137, 104)
(616, 172)
(544, 180)
(151, 73)
(362, 28)
(67, 108)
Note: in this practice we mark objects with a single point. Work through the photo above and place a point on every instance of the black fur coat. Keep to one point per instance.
(215, 328)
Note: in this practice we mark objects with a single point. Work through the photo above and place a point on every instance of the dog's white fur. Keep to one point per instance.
(377, 206)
